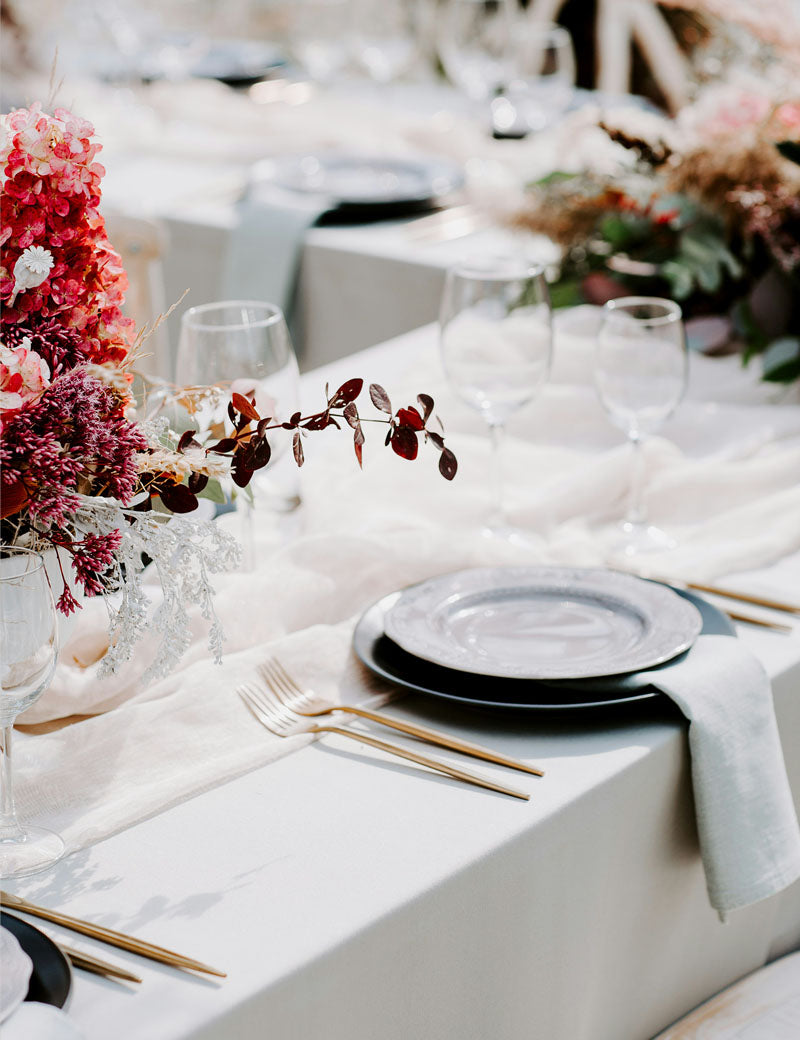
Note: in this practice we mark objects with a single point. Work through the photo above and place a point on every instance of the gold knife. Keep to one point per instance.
(107, 935)
(79, 959)
(758, 601)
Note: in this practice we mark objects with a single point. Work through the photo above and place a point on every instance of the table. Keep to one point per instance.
(185, 154)
(354, 900)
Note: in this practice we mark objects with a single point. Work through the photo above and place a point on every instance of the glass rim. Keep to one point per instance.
(672, 310)
(273, 315)
(9, 551)
(487, 271)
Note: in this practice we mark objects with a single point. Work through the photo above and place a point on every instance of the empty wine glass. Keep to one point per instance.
(28, 653)
(641, 369)
(475, 42)
(243, 346)
(383, 37)
(317, 37)
(496, 345)
(544, 79)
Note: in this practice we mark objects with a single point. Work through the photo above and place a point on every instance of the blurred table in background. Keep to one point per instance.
(186, 160)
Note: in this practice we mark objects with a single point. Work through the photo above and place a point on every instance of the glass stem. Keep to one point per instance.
(10, 829)
(498, 515)
(637, 514)
(247, 528)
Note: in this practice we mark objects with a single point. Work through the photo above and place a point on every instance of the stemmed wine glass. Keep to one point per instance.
(28, 654)
(243, 346)
(496, 344)
(475, 41)
(383, 37)
(544, 80)
(641, 370)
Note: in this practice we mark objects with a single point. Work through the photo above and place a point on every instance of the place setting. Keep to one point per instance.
(410, 610)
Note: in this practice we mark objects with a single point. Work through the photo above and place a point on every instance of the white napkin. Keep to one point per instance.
(265, 247)
(15, 972)
(34, 1021)
(746, 821)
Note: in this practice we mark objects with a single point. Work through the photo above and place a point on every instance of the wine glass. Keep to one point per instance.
(28, 653)
(243, 346)
(496, 345)
(544, 81)
(383, 37)
(641, 370)
(475, 42)
(316, 37)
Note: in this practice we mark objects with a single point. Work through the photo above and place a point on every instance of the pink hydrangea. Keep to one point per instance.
(50, 202)
(24, 375)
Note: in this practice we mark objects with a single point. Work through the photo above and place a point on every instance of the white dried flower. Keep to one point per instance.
(31, 269)
(111, 376)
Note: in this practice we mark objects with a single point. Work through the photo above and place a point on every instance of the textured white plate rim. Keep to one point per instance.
(671, 623)
(439, 176)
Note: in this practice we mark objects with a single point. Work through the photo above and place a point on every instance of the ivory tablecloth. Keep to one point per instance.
(354, 900)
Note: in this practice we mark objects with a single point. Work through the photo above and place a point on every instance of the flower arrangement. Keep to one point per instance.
(705, 210)
(80, 473)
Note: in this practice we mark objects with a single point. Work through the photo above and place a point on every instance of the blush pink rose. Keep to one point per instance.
(24, 375)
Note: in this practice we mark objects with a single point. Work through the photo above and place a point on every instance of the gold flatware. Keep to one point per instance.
(744, 597)
(79, 959)
(750, 619)
(277, 720)
(715, 590)
(107, 935)
(306, 703)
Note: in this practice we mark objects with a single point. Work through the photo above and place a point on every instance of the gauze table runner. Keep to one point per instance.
(367, 534)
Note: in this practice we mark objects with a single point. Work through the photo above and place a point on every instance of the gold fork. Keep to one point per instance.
(278, 719)
(306, 703)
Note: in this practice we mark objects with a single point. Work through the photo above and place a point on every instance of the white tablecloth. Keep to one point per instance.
(182, 154)
(355, 900)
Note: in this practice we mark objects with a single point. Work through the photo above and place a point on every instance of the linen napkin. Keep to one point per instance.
(746, 821)
(35, 1021)
(265, 247)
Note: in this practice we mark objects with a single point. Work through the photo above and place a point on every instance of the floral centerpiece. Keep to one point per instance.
(81, 475)
(705, 210)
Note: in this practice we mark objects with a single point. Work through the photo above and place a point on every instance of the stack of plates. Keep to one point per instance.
(532, 638)
(361, 187)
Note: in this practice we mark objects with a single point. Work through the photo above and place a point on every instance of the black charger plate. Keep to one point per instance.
(51, 979)
(386, 659)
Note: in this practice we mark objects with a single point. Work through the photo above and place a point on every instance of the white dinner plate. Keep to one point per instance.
(542, 622)
(364, 183)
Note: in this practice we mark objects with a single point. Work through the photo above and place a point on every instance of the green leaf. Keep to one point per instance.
(213, 492)
(781, 360)
(709, 276)
(680, 278)
(744, 320)
(556, 177)
(566, 293)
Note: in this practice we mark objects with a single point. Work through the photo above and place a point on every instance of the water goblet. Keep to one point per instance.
(383, 37)
(28, 654)
(316, 37)
(641, 370)
(243, 346)
(496, 346)
(475, 43)
(544, 80)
